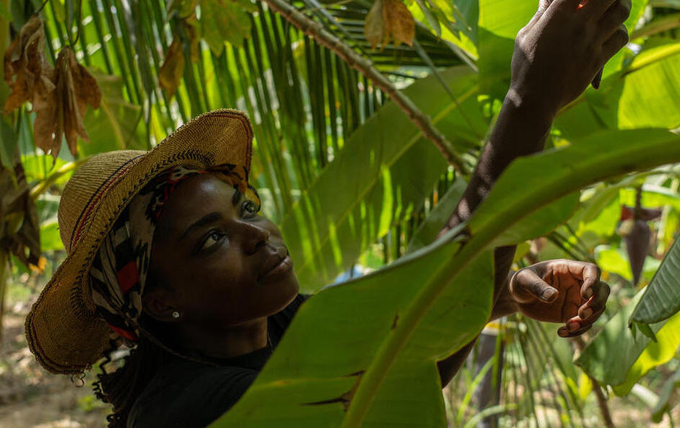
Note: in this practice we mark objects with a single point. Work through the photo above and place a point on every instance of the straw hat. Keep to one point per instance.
(62, 328)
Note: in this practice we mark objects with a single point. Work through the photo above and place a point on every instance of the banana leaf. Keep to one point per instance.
(363, 353)
(384, 172)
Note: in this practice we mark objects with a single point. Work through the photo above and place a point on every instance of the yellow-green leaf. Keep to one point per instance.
(225, 21)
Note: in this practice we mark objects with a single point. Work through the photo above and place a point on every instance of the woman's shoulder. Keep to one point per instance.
(188, 394)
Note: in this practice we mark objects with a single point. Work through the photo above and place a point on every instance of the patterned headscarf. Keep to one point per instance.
(119, 270)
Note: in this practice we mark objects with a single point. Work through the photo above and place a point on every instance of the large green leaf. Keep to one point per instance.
(384, 172)
(662, 296)
(635, 352)
(364, 352)
(499, 22)
(646, 93)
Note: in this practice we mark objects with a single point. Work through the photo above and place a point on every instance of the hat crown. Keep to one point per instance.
(83, 193)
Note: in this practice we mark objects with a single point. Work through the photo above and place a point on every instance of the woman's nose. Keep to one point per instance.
(255, 236)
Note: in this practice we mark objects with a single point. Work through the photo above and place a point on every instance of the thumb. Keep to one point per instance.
(529, 286)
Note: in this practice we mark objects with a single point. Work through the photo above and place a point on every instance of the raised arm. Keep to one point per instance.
(557, 54)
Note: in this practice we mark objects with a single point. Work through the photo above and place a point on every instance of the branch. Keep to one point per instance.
(356, 61)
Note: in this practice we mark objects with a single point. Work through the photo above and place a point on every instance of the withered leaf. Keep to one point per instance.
(193, 30)
(63, 115)
(399, 22)
(27, 72)
(170, 74)
(16, 206)
(374, 27)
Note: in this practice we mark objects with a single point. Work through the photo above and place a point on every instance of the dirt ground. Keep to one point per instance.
(32, 397)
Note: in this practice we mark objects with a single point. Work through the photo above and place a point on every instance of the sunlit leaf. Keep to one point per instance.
(225, 21)
(662, 297)
(387, 168)
(636, 352)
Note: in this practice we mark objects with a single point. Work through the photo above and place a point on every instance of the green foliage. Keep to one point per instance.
(635, 352)
(408, 321)
(662, 296)
(386, 169)
(225, 21)
(339, 168)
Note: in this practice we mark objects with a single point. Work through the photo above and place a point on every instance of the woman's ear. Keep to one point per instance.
(158, 304)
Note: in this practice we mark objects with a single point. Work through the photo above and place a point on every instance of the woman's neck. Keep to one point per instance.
(224, 343)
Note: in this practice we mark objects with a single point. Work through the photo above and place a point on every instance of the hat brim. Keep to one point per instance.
(62, 328)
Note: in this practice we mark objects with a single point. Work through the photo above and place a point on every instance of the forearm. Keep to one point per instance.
(520, 130)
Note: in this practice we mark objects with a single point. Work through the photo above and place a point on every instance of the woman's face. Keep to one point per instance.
(212, 251)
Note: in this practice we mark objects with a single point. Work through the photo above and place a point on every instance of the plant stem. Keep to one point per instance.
(363, 65)
(601, 399)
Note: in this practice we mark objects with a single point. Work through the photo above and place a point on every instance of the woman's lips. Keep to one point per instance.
(279, 270)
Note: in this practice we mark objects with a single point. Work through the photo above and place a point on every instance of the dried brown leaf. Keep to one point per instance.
(64, 112)
(16, 206)
(193, 30)
(27, 72)
(374, 27)
(170, 74)
(399, 22)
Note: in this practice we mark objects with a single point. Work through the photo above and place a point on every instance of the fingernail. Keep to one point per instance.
(572, 326)
(548, 295)
(587, 312)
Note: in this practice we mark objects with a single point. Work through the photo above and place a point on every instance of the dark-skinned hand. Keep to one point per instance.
(559, 52)
(560, 291)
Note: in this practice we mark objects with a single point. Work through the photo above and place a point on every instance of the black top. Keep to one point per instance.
(188, 394)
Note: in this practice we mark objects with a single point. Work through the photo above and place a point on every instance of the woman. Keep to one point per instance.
(167, 254)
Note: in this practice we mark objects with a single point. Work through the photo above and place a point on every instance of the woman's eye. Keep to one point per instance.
(213, 239)
(250, 207)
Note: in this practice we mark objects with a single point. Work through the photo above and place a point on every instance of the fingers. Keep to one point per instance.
(615, 42)
(527, 286)
(597, 303)
(590, 276)
(568, 4)
(615, 16)
(564, 332)
(588, 313)
(595, 8)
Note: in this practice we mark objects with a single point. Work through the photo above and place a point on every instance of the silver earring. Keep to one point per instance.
(175, 314)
